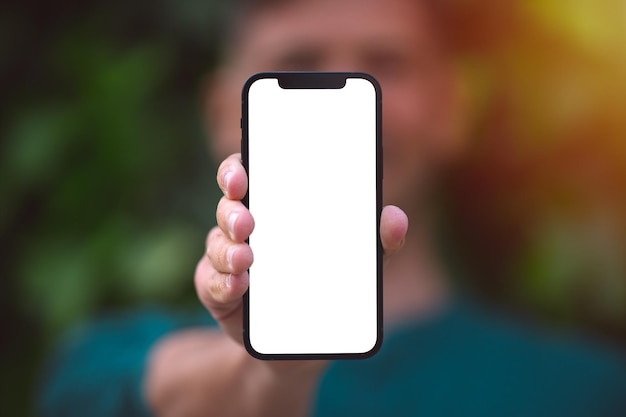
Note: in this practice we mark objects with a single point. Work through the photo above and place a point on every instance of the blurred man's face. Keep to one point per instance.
(391, 39)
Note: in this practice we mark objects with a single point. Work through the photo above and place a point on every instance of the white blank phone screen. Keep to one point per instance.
(312, 193)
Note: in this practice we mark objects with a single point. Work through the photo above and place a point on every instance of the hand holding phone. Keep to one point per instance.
(221, 277)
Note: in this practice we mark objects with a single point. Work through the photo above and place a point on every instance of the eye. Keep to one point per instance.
(386, 63)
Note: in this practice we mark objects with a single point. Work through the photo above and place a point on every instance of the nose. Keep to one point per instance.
(342, 60)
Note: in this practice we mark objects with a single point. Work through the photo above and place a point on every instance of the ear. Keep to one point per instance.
(220, 113)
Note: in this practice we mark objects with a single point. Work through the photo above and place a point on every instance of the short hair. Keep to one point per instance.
(236, 17)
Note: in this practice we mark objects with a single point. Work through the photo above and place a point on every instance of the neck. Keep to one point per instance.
(414, 283)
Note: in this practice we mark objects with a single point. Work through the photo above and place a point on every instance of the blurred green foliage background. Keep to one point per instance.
(108, 188)
(106, 183)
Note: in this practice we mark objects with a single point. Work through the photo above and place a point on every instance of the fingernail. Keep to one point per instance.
(227, 281)
(227, 178)
(229, 256)
(231, 224)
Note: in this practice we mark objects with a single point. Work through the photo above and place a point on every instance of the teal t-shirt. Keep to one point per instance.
(470, 364)
(461, 363)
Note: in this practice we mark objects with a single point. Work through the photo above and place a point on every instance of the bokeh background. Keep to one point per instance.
(108, 189)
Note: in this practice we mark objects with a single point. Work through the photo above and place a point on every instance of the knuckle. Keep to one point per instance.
(202, 282)
(216, 290)
(211, 289)
(211, 239)
(220, 174)
(222, 212)
(217, 251)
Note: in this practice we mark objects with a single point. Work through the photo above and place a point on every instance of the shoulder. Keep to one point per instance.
(99, 364)
(136, 324)
(567, 374)
(471, 362)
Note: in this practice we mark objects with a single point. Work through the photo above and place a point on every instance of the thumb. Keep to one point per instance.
(394, 224)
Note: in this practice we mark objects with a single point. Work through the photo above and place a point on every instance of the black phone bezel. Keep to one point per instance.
(319, 80)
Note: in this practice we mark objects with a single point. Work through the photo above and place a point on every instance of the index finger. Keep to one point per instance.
(232, 178)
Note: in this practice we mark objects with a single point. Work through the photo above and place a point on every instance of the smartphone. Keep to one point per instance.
(312, 149)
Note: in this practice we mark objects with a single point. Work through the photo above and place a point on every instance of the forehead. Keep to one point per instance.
(334, 24)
